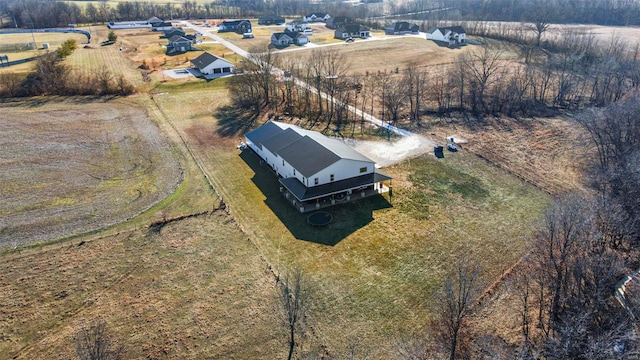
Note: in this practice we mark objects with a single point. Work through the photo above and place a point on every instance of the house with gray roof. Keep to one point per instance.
(402, 28)
(286, 38)
(179, 44)
(316, 17)
(271, 20)
(237, 26)
(352, 31)
(449, 36)
(338, 21)
(315, 171)
(211, 66)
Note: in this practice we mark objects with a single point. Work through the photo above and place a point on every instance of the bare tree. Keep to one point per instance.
(93, 342)
(264, 63)
(294, 297)
(541, 22)
(484, 67)
(454, 303)
(11, 82)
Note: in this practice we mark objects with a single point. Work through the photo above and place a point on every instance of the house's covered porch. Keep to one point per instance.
(308, 199)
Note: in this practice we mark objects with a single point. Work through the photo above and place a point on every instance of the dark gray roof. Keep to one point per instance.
(279, 35)
(278, 141)
(352, 28)
(307, 151)
(303, 193)
(204, 60)
(178, 38)
(263, 133)
(308, 156)
(234, 22)
(456, 29)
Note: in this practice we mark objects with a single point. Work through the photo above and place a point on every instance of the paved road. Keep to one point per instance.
(279, 72)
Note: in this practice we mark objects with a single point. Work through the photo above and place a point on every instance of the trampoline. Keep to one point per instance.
(320, 218)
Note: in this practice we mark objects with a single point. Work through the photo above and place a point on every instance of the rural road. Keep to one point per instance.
(386, 153)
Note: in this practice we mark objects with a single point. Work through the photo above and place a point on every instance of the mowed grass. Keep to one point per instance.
(376, 268)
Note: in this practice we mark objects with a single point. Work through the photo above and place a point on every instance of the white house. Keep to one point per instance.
(287, 38)
(316, 17)
(212, 66)
(315, 171)
(453, 35)
(297, 25)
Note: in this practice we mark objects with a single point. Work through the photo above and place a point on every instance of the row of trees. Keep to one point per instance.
(52, 76)
(578, 72)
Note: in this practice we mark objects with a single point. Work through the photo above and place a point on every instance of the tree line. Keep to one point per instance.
(51, 76)
(571, 73)
(47, 14)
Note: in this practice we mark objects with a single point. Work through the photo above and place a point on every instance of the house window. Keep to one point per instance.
(363, 169)
(226, 70)
(217, 71)
(282, 162)
(331, 177)
(294, 172)
(315, 181)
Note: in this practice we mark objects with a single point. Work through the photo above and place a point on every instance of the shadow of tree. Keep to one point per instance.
(234, 121)
(347, 217)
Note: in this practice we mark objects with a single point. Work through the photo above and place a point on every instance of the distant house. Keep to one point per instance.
(211, 66)
(450, 36)
(154, 20)
(297, 25)
(316, 17)
(352, 31)
(338, 21)
(168, 34)
(162, 26)
(237, 26)
(114, 25)
(271, 20)
(402, 28)
(315, 171)
(286, 38)
(179, 44)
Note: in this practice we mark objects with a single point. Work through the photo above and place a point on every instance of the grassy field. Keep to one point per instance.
(203, 287)
(69, 167)
(385, 256)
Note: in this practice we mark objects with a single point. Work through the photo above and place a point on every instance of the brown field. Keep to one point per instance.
(77, 165)
(546, 152)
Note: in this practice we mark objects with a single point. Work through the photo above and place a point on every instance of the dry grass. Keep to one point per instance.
(195, 290)
(70, 168)
(547, 152)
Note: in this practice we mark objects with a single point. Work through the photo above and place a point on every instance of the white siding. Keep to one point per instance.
(342, 169)
(436, 35)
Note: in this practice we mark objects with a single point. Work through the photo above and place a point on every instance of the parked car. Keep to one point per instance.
(350, 40)
(452, 147)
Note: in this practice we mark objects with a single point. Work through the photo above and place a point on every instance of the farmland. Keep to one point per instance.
(69, 168)
(204, 286)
